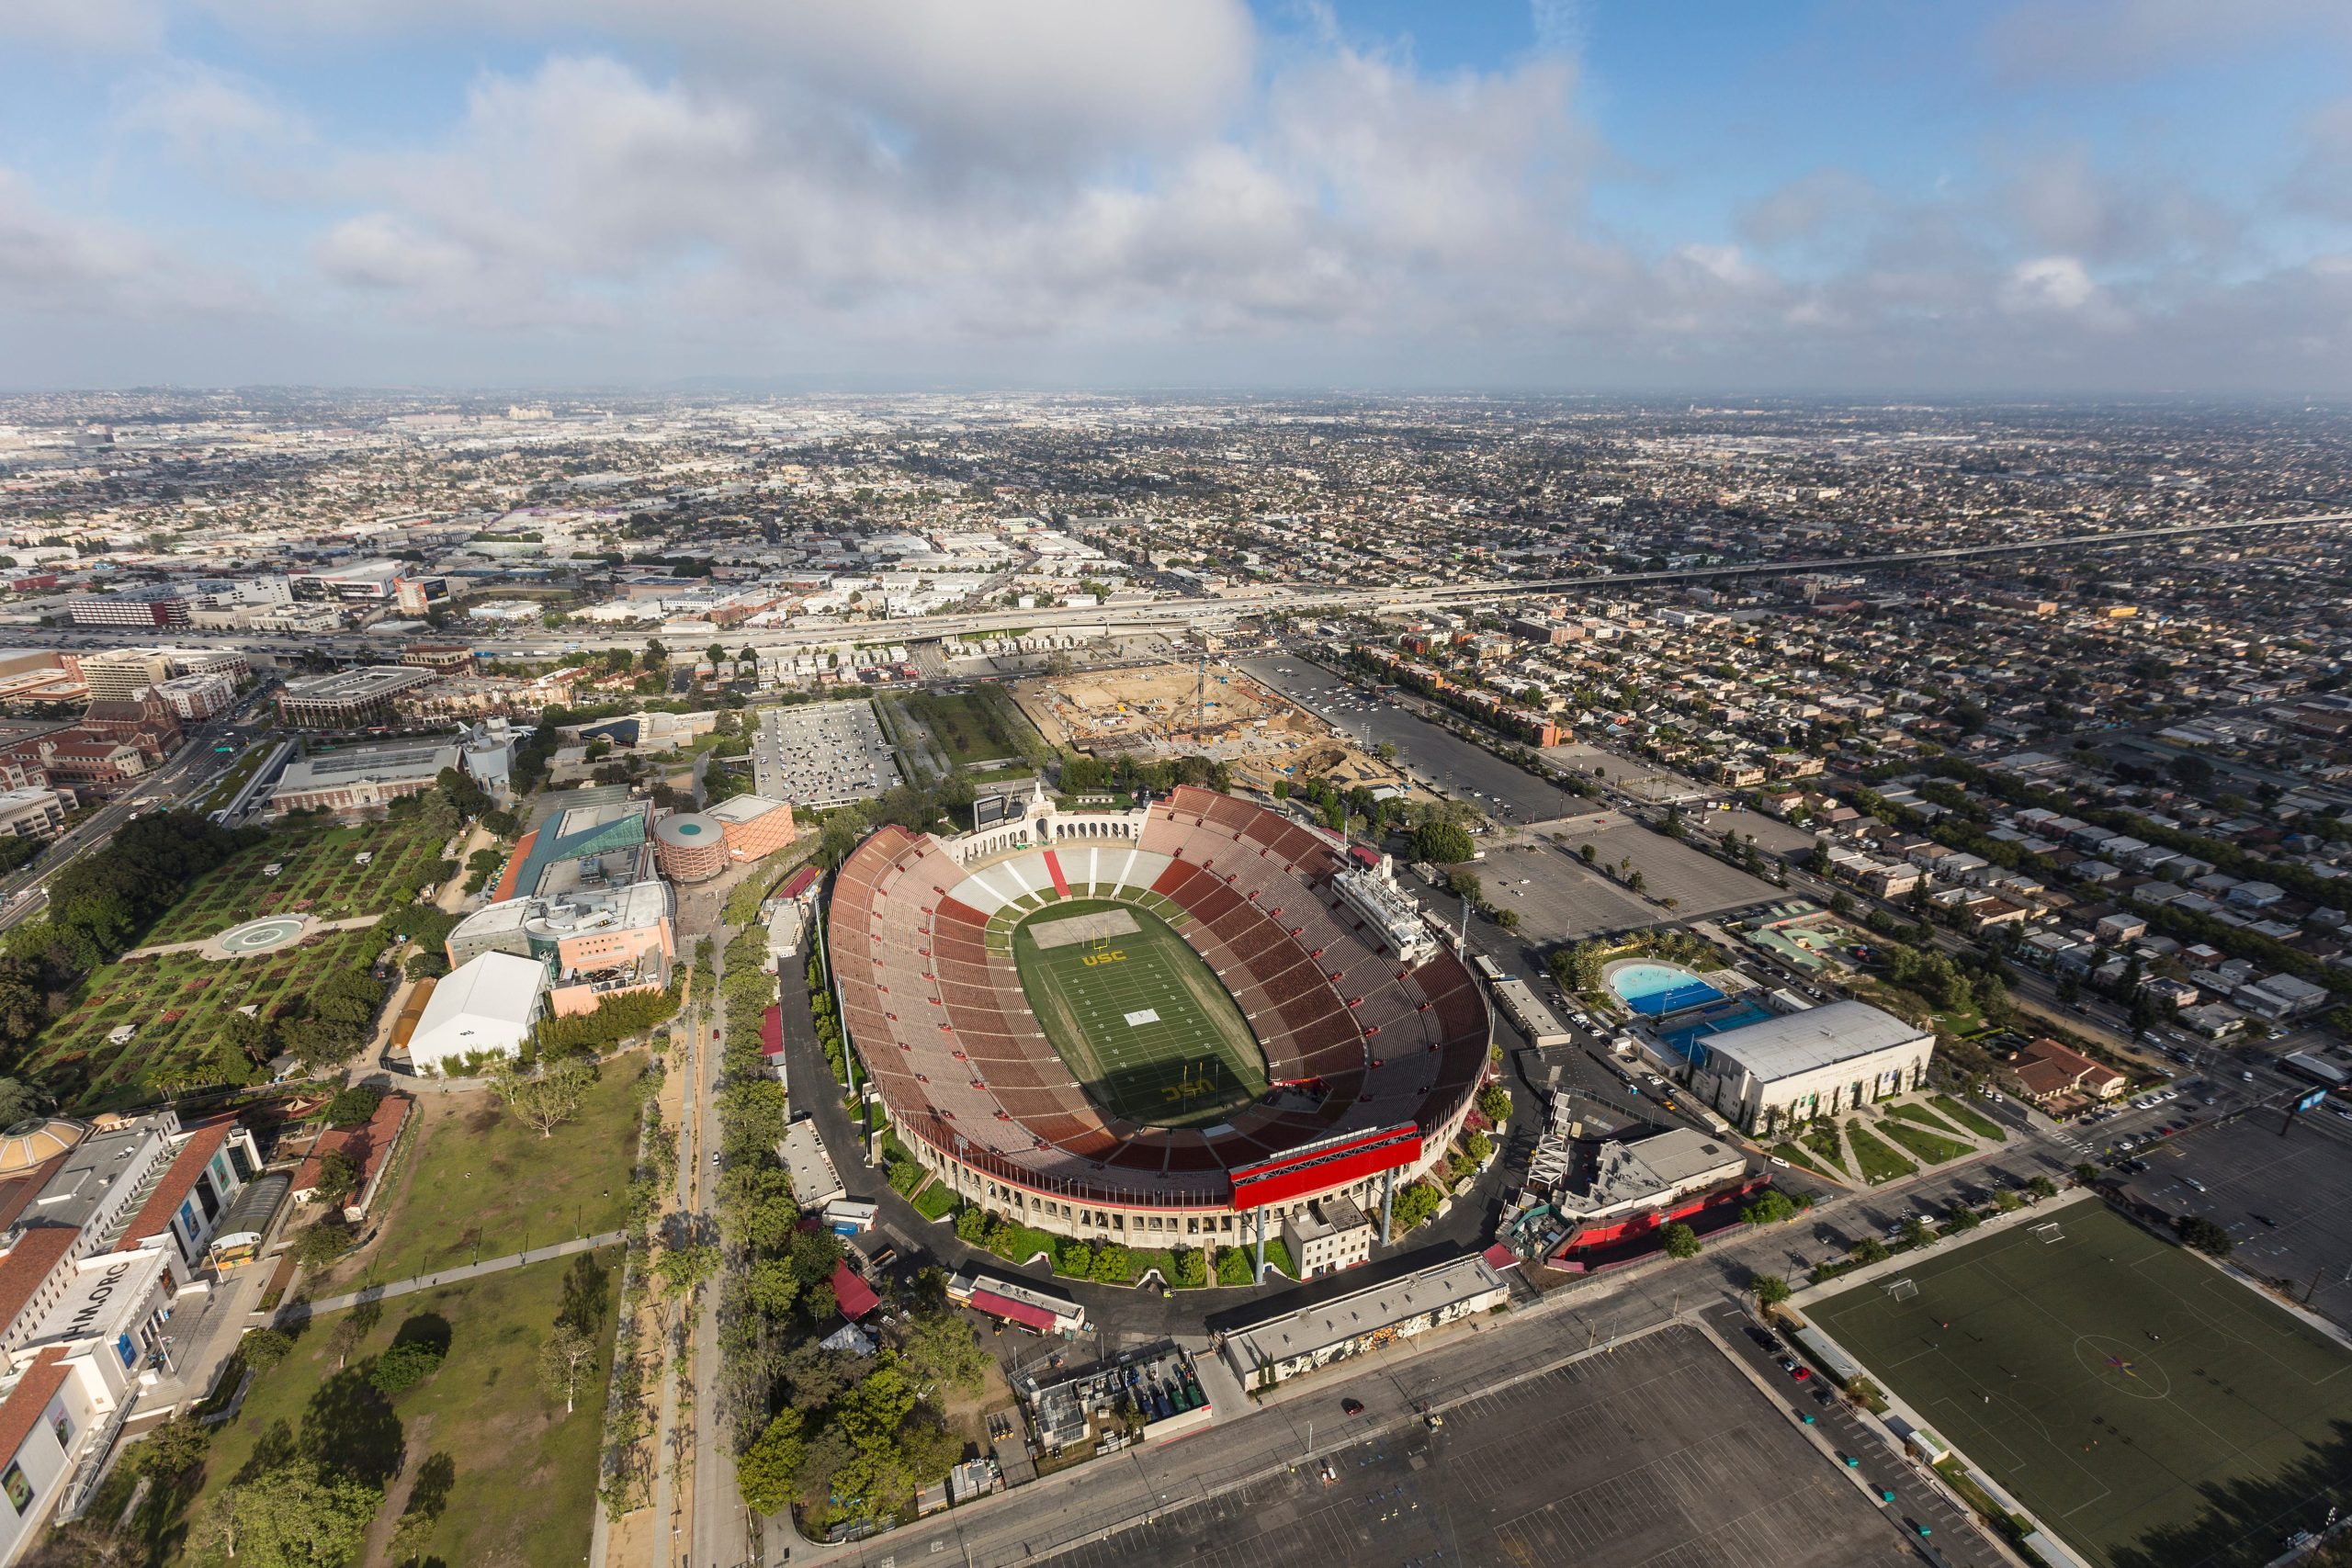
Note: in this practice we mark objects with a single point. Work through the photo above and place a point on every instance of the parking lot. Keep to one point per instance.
(1429, 754)
(1559, 899)
(1660, 1451)
(1697, 882)
(2266, 1189)
(820, 754)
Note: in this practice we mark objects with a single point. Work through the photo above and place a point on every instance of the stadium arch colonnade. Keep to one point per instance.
(1374, 1059)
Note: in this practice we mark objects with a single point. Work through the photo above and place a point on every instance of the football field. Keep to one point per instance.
(1138, 1017)
(2148, 1408)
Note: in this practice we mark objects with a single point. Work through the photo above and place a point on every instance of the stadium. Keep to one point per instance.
(1183, 1020)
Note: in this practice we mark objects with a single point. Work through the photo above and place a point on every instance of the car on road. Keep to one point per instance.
(1351, 1406)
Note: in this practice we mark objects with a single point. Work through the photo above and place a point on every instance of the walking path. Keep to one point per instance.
(351, 924)
(465, 1272)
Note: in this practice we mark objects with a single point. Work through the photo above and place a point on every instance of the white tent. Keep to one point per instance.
(488, 1003)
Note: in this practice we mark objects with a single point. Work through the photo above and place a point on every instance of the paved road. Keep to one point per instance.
(467, 1271)
(1436, 757)
(1185, 612)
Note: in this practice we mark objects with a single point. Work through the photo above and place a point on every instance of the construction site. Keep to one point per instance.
(1207, 709)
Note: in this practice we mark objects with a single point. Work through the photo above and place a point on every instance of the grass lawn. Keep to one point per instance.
(1798, 1157)
(319, 877)
(1922, 1116)
(1975, 1121)
(175, 1001)
(2143, 1405)
(1139, 1018)
(1932, 1148)
(968, 726)
(1821, 1138)
(526, 1472)
(1878, 1162)
(937, 1201)
(481, 1175)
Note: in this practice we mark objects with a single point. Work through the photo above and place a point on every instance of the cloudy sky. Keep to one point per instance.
(2040, 197)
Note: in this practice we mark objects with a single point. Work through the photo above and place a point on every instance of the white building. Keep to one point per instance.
(1327, 1237)
(485, 1007)
(1278, 1348)
(1809, 1064)
(30, 813)
(1802, 1065)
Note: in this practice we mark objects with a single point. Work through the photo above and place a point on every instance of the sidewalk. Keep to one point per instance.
(451, 1275)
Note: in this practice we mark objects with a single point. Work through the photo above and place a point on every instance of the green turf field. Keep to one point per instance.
(1195, 1062)
(2149, 1409)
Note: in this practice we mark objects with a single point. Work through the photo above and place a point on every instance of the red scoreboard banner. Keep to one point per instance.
(1320, 1167)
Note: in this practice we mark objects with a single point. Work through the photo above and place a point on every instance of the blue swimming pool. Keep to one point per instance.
(1737, 1016)
(1656, 989)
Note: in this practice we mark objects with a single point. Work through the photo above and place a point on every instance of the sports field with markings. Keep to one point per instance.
(1138, 1016)
(2147, 1407)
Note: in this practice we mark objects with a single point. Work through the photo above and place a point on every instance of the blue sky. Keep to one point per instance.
(2048, 197)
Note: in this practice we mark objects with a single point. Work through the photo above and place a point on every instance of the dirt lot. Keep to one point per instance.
(1156, 712)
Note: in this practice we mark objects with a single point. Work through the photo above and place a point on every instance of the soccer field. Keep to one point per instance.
(1140, 1019)
(2145, 1406)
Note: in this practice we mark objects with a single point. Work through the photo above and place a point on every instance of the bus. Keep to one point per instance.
(1487, 967)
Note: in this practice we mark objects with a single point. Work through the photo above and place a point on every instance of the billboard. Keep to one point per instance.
(988, 810)
(2311, 1100)
(1317, 1167)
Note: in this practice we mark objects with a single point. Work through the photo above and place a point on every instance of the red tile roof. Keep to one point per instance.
(368, 1145)
(156, 1214)
(29, 1263)
(21, 1415)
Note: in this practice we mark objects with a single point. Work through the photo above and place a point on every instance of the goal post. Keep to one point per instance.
(1903, 1289)
(2050, 1231)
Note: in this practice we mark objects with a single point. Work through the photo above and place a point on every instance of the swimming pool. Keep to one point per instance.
(1737, 1016)
(1656, 989)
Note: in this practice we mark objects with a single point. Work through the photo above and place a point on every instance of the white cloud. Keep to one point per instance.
(205, 115)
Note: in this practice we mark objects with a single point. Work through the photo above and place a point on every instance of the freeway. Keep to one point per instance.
(1179, 614)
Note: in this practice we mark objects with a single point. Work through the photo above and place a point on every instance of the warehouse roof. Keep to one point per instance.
(1817, 1037)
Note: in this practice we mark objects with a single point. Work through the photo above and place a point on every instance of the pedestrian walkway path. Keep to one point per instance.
(467, 1271)
(351, 924)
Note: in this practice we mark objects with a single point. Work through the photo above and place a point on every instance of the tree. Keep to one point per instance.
(566, 1360)
(1494, 1103)
(683, 1270)
(1870, 1249)
(1960, 1217)
(1110, 1266)
(1916, 1232)
(547, 1100)
(1440, 843)
(20, 1101)
(971, 1224)
(2204, 1235)
(1772, 1207)
(2042, 1187)
(296, 1515)
(1769, 1291)
(1680, 1240)
(173, 1449)
(942, 1348)
(404, 1366)
(767, 1475)
(321, 1245)
(264, 1348)
(353, 1107)
(338, 1177)
(716, 653)
(1415, 1205)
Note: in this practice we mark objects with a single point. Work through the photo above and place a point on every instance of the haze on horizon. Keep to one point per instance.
(2044, 197)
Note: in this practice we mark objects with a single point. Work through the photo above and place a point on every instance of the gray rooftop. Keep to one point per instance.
(1817, 1037)
(1302, 1333)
